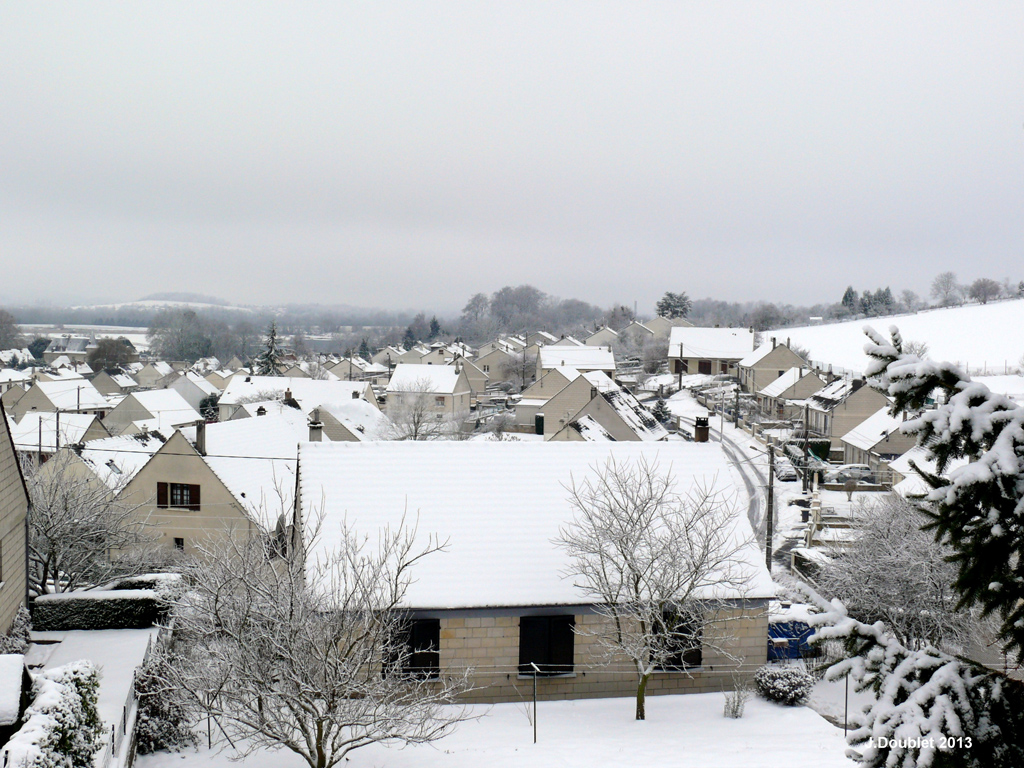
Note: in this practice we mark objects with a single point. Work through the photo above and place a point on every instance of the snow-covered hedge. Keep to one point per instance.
(168, 586)
(98, 609)
(17, 638)
(785, 685)
(62, 728)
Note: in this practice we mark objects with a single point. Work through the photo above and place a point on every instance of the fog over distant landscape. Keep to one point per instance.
(404, 155)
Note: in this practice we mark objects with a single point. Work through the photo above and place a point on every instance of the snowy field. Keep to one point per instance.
(681, 731)
(989, 336)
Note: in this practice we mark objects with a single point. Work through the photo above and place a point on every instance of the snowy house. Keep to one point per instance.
(443, 390)
(765, 364)
(602, 337)
(40, 433)
(540, 338)
(114, 382)
(214, 482)
(75, 348)
(662, 326)
(153, 372)
(352, 421)
(907, 481)
(74, 395)
(13, 514)
(307, 393)
(708, 350)
(784, 397)
(876, 441)
(563, 406)
(566, 341)
(160, 410)
(194, 388)
(583, 359)
(389, 356)
(535, 397)
(10, 378)
(840, 406)
(501, 579)
(618, 414)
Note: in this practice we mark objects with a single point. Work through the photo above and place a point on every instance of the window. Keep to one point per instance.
(178, 495)
(704, 367)
(546, 641)
(421, 641)
(179, 544)
(681, 641)
(439, 402)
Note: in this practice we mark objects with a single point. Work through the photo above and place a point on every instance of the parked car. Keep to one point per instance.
(784, 470)
(859, 472)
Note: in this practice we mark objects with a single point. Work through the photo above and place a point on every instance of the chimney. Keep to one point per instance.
(355, 395)
(316, 427)
(857, 384)
(593, 392)
(787, 341)
(261, 411)
(773, 342)
(201, 437)
(288, 394)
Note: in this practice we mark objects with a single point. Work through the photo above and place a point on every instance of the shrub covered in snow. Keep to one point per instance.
(98, 609)
(17, 638)
(785, 685)
(164, 716)
(62, 728)
(167, 586)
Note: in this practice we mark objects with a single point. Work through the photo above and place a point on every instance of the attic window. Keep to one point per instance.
(113, 467)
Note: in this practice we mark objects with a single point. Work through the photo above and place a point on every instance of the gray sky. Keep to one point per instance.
(411, 154)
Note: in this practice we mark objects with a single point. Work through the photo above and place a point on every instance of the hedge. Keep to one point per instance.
(98, 609)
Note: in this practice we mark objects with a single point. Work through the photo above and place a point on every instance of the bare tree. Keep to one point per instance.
(80, 532)
(945, 288)
(893, 565)
(655, 563)
(309, 657)
(520, 369)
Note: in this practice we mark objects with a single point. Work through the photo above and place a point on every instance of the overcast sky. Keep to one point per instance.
(410, 154)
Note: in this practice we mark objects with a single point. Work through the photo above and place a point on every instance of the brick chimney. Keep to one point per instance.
(201, 437)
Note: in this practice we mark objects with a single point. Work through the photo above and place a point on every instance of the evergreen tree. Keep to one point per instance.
(661, 412)
(976, 508)
(435, 328)
(674, 305)
(364, 350)
(850, 300)
(409, 339)
(268, 361)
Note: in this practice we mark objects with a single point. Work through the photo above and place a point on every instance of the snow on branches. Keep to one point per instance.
(931, 709)
(977, 509)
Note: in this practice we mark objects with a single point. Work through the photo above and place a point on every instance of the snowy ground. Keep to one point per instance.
(680, 731)
(962, 335)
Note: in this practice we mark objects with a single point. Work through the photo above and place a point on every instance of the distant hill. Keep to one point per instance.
(184, 296)
(975, 335)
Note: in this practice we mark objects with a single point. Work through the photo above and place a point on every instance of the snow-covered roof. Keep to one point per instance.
(831, 395)
(756, 356)
(585, 358)
(567, 341)
(914, 484)
(7, 355)
(307, 392)
(162, 368)
(500, 544)
(548, 337)
(123, 380)
(72, 394)
(1011, 386)
(636, 417)
(255, 459)
(416, 377)
(589, 429)
(168, 408)
(787, 380)
(58, 374)
(873, 430)
(363, 420)
(116, 460)
(206, 387)
(37, 430)
(8, 375)
(270, 408)
(710, 343)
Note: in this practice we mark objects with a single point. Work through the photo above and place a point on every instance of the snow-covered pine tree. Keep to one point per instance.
(268, 361)
(661, 412)
(977, 509)
(364, 350)
(931, 710)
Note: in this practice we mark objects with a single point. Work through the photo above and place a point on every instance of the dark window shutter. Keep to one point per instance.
(193, 498)
(561, 644)
(533, 642)
(161, 495)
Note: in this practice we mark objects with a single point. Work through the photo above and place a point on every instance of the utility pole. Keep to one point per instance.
(736, 412)
(770, 520)
(807, 447)
(56, 433)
